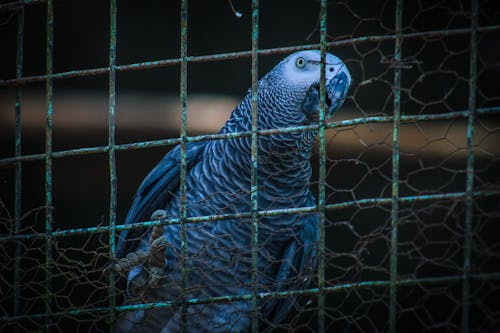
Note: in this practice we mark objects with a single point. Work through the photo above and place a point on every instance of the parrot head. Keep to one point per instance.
(298, 76)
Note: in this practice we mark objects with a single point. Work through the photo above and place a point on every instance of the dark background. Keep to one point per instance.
(359, 158)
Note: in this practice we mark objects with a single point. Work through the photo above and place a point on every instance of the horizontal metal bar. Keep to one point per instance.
(274, 212)
(239, 55)
(264, 295)
(11, 161)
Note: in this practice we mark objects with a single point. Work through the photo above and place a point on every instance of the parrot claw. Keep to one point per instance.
(132, 259)
(158, 215)
(155, 275)
(158, 243)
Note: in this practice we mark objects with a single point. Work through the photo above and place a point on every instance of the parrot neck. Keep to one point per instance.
(283, 158)
(290, 147)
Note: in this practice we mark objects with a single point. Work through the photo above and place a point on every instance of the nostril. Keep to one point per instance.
(331, 69)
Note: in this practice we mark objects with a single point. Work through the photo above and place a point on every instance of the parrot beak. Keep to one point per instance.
(336, 92)
(336, 89)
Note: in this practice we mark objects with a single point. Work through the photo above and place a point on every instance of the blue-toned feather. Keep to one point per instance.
(157, 187)
(298, 257)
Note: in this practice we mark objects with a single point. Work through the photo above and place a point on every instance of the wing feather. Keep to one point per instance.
(299, 262)
(155, 191)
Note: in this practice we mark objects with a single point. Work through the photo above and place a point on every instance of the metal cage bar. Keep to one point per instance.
(48, 161)
(305, 210)
(18, 166)
(469, 200)
(183, 163)
(395, 169)
(11, 161)
(113, 201)
(263, 295)
(254, 167)
(243, 54)
(322, 168)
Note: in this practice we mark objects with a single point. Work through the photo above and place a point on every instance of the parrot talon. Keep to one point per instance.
(132, 259)
(159, 214)
(138, 285)
(155, 275)
(156, 255)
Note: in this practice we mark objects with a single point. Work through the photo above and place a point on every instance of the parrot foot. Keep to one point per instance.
(153, 260)
(156, 258)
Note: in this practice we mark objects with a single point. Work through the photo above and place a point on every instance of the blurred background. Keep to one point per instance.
(435, 80)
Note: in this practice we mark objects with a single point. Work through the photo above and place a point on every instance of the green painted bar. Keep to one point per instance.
(10, 161)
(254, 169)
(113, 201)
(264, 295)
(183, 172)
(469, 200)
(48, 163)
(395, 170)
(322, 167)
(243, 54)
(18, 166)
(304, 210)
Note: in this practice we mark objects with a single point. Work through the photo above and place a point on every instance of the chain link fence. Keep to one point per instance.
(407, 180)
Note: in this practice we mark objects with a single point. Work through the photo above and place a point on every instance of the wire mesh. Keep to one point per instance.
(408, 211)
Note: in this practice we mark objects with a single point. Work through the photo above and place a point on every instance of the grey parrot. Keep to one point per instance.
(219, 261)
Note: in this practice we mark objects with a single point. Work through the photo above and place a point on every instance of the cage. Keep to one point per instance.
(405, 174)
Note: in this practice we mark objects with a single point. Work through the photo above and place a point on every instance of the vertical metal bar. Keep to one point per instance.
(254, 168)
(183, 188)
(395, 170)
(322, 169)
(111, 156)
(18, 169)
(470, 170)
(48, 161)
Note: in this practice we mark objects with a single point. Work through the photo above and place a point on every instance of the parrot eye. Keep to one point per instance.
(300, 62)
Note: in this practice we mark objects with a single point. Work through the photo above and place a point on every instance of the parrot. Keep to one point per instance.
(214, 257)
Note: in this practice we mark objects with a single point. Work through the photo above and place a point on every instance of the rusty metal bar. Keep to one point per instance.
(183, 162)
(18, 166)
(242, 54)
(469, 200)
(305, 210)
(263, 295)
(10, 161)
(254, 167)
(48, 163)
(395, 170)
(322, 167)
(113, 201)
